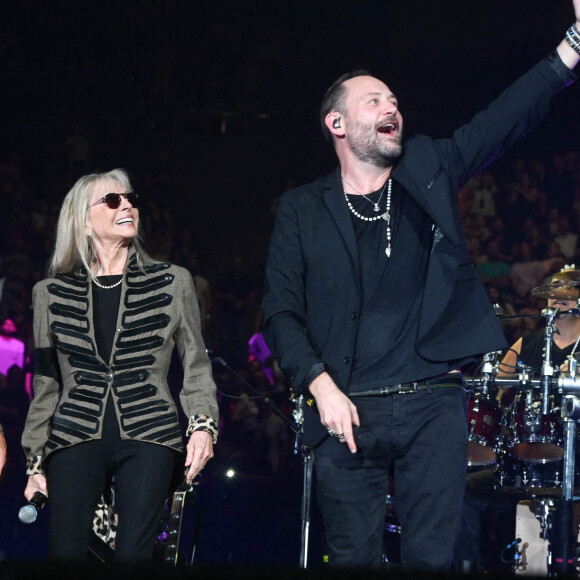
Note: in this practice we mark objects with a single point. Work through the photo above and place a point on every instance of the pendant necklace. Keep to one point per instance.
(385, 216)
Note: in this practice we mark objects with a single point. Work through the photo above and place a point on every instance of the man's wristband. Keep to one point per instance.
(573, 38)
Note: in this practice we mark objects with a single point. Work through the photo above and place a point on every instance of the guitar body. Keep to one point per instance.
(185, 493)
(170, 554)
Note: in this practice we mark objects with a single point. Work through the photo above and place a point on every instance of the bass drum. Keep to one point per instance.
(484, 422)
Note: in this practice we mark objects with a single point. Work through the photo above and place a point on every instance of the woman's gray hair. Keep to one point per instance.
(73, 248)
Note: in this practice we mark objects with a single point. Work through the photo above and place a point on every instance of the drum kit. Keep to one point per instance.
(531, 442)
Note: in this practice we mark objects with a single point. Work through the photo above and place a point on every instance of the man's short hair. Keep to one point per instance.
(335, 98)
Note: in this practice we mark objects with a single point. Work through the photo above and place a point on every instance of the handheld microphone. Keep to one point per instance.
(513, 544)
(365, 440)
(29, 512)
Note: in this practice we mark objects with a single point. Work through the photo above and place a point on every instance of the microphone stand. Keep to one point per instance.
(305, 507)
(298, 415)
(306, 456)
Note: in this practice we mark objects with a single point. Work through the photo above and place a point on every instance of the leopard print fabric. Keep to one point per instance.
(33, 465)
(203, 423)
(105, 522)
(105, 518)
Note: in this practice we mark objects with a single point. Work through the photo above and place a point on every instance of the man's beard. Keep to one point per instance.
(363, 142)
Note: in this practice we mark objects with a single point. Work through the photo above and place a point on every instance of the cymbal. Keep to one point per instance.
(566, 276)
(559, 290)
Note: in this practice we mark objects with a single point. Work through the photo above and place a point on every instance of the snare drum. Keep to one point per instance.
(484, 416)
(533, 436)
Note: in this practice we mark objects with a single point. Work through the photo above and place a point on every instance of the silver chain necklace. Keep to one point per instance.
(106, 287)
(376, 205)
(385, 216)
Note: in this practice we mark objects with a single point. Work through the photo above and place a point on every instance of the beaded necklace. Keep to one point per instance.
(385, 216)
(106, 287)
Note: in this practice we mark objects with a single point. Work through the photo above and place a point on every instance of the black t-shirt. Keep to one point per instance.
(105, 309)
(392, 290)
(532, 352)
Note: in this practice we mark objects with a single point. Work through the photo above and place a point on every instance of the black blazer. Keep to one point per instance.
(312, 278)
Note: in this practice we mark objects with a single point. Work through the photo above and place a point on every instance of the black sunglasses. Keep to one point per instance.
(113, 200)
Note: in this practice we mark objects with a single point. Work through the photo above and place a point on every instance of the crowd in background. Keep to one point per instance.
(522, 224)
(520, 228)
(162, 91)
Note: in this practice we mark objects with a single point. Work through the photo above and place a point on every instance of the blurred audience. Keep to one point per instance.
(520, 227)
(235, 292)
(11, 348)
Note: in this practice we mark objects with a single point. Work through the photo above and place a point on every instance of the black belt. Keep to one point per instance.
(424, 385)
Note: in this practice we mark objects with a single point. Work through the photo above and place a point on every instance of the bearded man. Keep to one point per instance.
(372, 307)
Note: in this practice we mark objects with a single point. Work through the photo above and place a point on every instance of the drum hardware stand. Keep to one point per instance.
(547, 368)
(570, 414)
(563, 545)
(531, 418)
(556, 515)
(558, 526)
(543, 506)
(562, 553)
(489, 369)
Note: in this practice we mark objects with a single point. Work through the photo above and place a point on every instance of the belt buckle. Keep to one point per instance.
(409, 388)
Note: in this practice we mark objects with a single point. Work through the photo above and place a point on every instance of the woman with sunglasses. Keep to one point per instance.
(105, 324)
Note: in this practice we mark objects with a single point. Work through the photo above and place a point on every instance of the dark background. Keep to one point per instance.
(213, 105)
(213, 108)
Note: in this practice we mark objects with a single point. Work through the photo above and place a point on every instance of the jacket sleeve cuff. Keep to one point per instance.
(316, 369)
(203, 423)
(33, 465)
(566, 75)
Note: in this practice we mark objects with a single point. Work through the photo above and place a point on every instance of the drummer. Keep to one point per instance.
(473, 550)
(562, 293)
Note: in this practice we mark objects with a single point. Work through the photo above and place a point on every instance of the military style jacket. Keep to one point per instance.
(158, 310)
